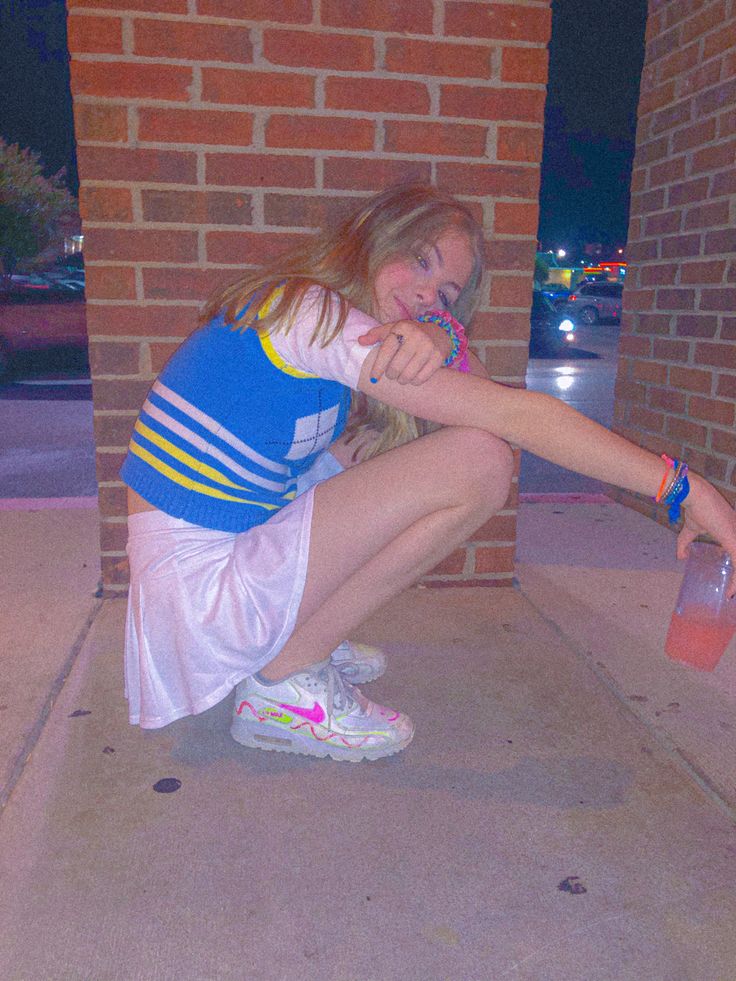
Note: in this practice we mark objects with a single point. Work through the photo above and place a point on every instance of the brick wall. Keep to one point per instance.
(676, 389)
(213, 132)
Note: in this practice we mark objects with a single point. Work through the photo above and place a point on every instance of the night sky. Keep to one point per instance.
(596, 56)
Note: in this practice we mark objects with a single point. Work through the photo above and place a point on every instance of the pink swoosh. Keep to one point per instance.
(315, 714)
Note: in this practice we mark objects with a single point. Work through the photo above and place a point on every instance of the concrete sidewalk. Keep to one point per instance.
(566, 809)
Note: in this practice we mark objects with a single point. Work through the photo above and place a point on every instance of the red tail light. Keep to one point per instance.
(572, 297)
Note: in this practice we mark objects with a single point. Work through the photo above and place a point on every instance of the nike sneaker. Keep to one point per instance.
(358, 663)
(318, 713)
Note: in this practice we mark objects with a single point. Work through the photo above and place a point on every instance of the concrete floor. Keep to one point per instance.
(566, 809)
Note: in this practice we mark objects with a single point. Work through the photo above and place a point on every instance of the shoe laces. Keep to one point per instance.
(341, 695)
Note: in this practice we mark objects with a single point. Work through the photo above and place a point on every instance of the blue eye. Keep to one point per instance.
(424, 264)
(444, 300)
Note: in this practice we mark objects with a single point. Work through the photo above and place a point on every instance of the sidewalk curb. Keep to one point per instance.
(16, 768)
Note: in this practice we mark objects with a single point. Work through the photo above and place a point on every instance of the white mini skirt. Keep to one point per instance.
(206, 608)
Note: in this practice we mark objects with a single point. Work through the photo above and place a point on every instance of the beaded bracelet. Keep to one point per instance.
(458, 356)
(678, 488)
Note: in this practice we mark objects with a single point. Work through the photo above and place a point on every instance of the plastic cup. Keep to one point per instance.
(703, 621)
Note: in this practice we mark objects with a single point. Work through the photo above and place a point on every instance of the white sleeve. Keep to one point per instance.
(342, 359)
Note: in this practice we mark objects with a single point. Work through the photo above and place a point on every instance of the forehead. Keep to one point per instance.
(456, 254)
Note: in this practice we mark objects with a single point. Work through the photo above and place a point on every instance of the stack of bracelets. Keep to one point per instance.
(458, 356)
(674, 487)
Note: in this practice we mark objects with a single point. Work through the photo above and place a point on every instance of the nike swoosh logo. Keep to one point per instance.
(315, 714)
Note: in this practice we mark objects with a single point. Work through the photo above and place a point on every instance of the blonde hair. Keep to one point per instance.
(345, 261)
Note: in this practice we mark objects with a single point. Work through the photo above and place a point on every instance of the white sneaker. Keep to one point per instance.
(358, 663)
(318, 713)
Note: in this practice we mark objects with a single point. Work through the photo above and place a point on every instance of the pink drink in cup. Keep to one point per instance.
(704, 621)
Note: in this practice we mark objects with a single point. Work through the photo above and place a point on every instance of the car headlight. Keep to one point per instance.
(567, 325)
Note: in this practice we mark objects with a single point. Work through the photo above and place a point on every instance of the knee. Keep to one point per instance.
(486, 465)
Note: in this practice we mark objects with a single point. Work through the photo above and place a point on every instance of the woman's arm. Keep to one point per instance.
(551, 429)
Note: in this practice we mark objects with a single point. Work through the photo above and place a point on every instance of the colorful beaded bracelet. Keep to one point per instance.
(458, 356)
(677, 489)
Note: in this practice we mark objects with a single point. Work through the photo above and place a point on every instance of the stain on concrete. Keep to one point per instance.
(167, 785)
(573, 885)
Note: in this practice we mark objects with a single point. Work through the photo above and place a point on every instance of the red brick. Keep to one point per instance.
(161, 353)
(677, 246)
(718, 299)
(506, 360)
(696, 325)
(140, 245)
(497, 180)
(110, 282)
(509, 253)
(309, 49)
(510, 326)
(452, 565)
(377, 95)
(716, 98)
(252, 248)
(671, 117)
(723, 442)
(347, 173)
(515, 218)
(686, 431)
(638, 347)
(645, 204)
(727, 120)
(663, 223)
(649, 371)
(136, 320)
(653, 323)
(150, 6)
(499, 528)
(647, 419)
(678, 62)
(128, 393)
(661, 45)
(700, 133)
(722, 240)
(710, 16)
(691, 379)
(676, 299)
(667, 172)
(437, 138)
(656, 97)
(642, 250)
(476, 102)
(510, 291)
(667, 350)
(695, 81)
(728, 329)
(195, 126)
(726, 386)
(302, 210)
(100, 123)
(185, 283)
(524, 65)
(658, 275)
(653, 150)
(231, 86)
(410, 56)
(718, 355)
(702, 272)
(708, 215)
(497, 21)
(190, 41)
(640, 299)
(520, 143)
(688, 192)
(712, 410)
(113, 500)
(115, 575)
(131, 80)
(715, 157)
(107, 358)
(105, 163)
(260, 169)
(494, 558)
(666, 399)
(197, 207)
(113, 536)
(105, 203)
(283, 11)
(380, 15)
(320, 133)
(97, 35)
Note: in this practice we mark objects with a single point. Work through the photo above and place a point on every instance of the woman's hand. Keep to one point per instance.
(707, 512)
(410, 353)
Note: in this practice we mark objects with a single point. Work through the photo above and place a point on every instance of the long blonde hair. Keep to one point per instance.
(398, 222)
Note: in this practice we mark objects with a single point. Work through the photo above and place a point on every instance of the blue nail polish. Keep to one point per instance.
(373, 381)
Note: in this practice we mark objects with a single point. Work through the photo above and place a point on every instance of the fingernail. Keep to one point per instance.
(373, 381)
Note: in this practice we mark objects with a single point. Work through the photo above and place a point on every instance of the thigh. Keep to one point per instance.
(359, 512)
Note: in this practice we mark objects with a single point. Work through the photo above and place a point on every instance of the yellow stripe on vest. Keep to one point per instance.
(179, 478)
(185, 458)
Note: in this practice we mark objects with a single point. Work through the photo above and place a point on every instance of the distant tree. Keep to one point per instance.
(31, 205)
(541, 271)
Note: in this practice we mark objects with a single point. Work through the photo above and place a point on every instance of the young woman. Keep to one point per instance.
(238, 579)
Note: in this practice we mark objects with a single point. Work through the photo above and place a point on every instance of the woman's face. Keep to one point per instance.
(404, 288)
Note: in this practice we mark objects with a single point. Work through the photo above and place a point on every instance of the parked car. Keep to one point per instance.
(557, 293)
(551, 330)
(593, 302)
(42, 319)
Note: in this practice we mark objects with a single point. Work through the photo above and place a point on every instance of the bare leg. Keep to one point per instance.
(379, 526)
